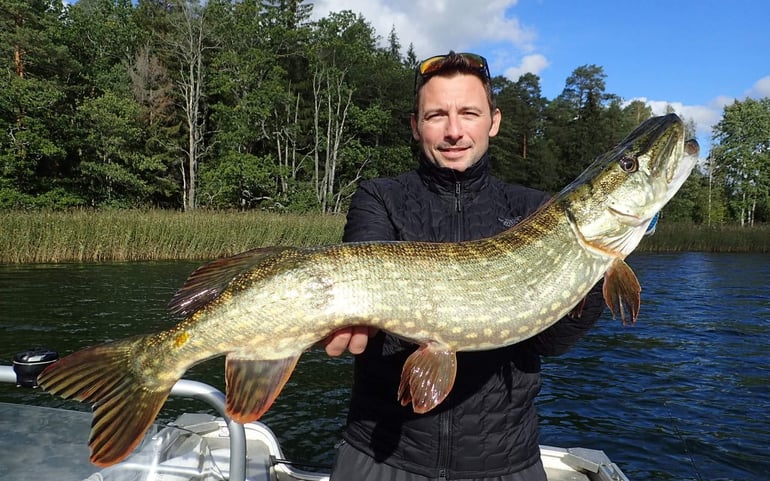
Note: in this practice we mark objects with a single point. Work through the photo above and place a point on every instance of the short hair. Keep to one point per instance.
(450, 65)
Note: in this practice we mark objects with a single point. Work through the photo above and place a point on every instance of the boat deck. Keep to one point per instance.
(47, 443)
(37, 443)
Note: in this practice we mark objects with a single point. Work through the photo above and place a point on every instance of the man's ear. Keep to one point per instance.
(496, 118)
(415, 131)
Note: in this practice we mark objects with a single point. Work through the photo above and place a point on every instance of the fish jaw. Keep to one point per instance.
(616, 198)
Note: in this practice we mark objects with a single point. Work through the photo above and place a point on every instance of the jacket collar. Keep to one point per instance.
(444, 181)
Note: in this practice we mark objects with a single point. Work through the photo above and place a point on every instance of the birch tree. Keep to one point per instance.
(188, 44)
(743, 153)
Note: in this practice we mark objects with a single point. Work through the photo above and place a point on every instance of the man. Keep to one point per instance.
(486, 429)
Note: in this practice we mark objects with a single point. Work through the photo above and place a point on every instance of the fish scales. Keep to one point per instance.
(410, 289)
(265, 307)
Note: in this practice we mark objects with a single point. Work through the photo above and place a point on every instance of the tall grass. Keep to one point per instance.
(717, 238)
(90, 236)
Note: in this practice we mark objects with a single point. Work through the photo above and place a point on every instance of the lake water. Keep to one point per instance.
(683, 395)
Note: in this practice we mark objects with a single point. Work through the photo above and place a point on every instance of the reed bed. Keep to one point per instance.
(683, 237)
(138, 235)
(134, 235)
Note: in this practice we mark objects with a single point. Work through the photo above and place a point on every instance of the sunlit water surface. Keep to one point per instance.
(683, 395)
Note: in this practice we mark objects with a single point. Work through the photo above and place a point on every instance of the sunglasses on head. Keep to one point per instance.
(433, 64)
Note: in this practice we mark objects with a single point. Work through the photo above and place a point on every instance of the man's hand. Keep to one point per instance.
(353, 339)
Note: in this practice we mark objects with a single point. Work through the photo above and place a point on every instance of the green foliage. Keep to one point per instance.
(55, 199)
(519, 152)
(114, 169)
(250, 104)
(743, 156)
(242, 180)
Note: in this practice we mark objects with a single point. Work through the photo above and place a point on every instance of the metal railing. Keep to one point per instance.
(201, 392)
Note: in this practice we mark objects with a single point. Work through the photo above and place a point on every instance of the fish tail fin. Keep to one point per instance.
(125, 404)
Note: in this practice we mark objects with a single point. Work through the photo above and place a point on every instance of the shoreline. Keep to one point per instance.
(42, 237)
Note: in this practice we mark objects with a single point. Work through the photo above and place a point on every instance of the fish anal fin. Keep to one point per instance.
(427, 377)
(622, 291)
(207, 282)
(253, 385)
(125, 404)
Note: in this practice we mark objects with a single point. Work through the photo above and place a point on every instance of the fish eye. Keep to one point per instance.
(629, 164)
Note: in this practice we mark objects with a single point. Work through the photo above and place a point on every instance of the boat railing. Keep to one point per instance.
(202, 392)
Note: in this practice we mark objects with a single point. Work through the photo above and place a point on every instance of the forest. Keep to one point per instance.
(251, 105)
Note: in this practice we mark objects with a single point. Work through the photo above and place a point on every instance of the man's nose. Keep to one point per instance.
(454, 128)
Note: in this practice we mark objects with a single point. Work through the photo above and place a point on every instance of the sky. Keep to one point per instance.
(696, 56)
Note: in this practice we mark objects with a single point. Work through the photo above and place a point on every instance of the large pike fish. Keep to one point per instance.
(265, 307)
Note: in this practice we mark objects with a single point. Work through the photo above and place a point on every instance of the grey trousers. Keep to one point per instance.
(351, 464)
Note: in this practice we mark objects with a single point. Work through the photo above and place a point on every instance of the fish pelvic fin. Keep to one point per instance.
(427, 377)
(622, 291)
(253, 385)
(124, 405)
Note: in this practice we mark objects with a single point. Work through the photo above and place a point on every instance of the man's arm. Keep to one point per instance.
(368, 219)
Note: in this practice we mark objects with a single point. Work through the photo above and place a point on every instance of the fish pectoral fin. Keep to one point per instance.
(253, 385)
(427, 377)
(622, 291)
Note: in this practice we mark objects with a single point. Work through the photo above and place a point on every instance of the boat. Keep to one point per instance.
(49, 443)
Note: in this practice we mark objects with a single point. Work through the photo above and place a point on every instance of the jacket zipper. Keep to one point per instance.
(459, 211)
(444, 449)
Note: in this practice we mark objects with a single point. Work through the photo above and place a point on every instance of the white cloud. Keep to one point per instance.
(535, 64)
(437, 26)
(704, 116)
(760, 89)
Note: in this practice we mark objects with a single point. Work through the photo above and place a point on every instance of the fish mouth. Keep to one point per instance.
(628, 218)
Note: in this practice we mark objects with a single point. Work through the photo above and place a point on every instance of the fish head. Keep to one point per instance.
(612, 202)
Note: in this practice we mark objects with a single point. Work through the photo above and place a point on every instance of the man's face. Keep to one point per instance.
(454, 123)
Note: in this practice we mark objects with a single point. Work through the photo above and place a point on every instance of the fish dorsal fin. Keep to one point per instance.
(427, 377)
(622, 291)
(253, 385)
(207, 282)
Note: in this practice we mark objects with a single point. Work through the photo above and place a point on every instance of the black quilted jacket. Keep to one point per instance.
(487, 426)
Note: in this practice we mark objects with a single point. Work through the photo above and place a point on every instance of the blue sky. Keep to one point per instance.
(696, 56)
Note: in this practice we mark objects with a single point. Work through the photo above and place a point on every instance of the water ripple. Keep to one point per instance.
(680, 396)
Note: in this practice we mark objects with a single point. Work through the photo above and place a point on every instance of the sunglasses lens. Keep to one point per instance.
(434, 63)
(430, 65)
(476, 60)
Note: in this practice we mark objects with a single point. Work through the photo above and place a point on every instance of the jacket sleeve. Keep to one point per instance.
(560, 337)
(368, 219)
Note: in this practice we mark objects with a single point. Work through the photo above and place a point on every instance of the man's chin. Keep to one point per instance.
(458, 164)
